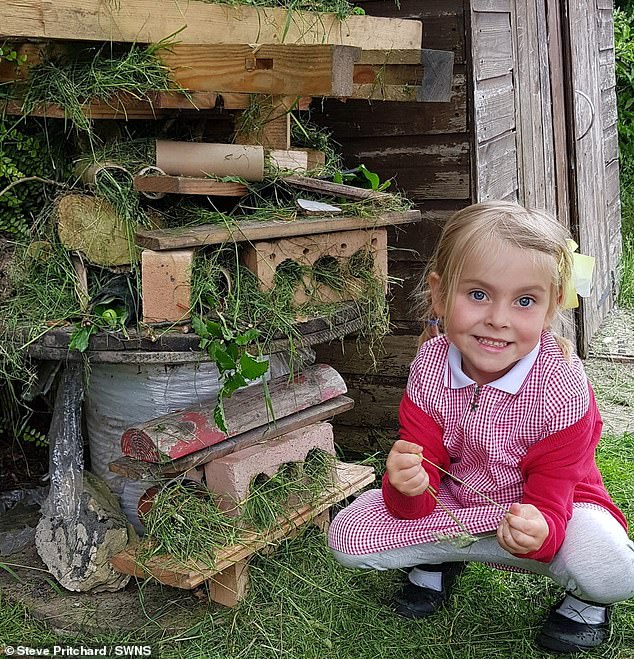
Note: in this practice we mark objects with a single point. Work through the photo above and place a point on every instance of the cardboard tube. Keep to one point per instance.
(203, 159)
(150, 170)
(89, 173)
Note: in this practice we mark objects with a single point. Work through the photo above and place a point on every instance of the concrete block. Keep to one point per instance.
(264, 257)
(231, 476)
(166, 284)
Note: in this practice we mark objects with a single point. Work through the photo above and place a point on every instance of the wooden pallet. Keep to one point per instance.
(252, 230)
(349, 479)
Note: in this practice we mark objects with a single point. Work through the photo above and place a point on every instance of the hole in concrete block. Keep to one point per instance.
(327, 271)
(361, 263)
(289, 272)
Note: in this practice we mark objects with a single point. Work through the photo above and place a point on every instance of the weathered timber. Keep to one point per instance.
(182, 433)
(189, 185)
(331, 189)
(272, 129)
(349, 479)
(251, 230)
(149, 21)
(125, 106)
(158, 345)
(307, 70)
(139, 470)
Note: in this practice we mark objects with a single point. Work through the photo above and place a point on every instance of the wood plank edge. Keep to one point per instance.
(187, 575)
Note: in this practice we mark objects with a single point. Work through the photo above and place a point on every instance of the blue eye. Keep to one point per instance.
(478, 295)
(525, 301)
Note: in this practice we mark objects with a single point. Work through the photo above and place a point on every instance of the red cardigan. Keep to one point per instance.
(557, 471)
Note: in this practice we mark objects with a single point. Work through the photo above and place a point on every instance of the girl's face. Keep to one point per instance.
(500, 308)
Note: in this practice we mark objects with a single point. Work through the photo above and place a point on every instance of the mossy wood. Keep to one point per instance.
(152, 21)
(91, 225)
(172, 346)
(139, 470)
(181, 433)
(306, 70)
(250, 230)
(189, 185)
(349, 479)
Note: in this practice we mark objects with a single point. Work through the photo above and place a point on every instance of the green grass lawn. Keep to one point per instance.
(302, 604)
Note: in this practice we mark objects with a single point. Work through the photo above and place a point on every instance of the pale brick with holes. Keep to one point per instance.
(230, 477)
(166, 284)
(265, 256)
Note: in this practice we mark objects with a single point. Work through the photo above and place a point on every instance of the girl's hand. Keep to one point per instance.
(404, 468)
(523, 529)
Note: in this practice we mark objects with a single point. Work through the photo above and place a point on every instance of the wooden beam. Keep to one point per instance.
(306, 70)
(189, 185)
(215, 234)
(152, 21)
(329, 188)
(349, 479)
(138, 470)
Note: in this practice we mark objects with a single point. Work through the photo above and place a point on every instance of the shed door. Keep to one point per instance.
(545, 124)
(593, 148)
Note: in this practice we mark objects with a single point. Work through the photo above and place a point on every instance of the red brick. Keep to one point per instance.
(166, 285)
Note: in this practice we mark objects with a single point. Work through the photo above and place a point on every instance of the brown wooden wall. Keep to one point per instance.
(426, 148)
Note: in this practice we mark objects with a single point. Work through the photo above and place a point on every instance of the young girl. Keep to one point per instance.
(498, 427)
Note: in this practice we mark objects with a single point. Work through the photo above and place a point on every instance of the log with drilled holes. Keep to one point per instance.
(181, 433)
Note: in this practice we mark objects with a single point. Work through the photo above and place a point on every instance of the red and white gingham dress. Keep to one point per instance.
(540, 396)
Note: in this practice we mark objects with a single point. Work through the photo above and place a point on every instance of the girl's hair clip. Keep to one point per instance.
(580, 281)
(432, 321)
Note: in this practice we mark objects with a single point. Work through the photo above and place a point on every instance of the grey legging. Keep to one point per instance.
(595, 561)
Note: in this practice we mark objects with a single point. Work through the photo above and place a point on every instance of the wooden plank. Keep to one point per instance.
(492, 44)
(149, 21)
(491, 5)
(605, 29)
(331, 189)
(609, 113)
(494, 106)
(497, 170)
(589, 173)
(607, 69)
(533, 108)
(189, 185)
(187, 431)
(356, 119)
(251, 230)
(349, 479)
(429, 167)
(560, 117)
(437, 76)
(391, 359)
(302, 70)
(138, 470)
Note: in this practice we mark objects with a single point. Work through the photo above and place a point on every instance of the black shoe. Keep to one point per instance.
(560, 634)
(418, 601)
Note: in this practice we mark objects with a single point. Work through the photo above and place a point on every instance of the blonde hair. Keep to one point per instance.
(477, 229)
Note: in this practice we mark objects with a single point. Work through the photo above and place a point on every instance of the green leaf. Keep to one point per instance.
(251, 368)
(232, 384)
(224, 361)
(219, 416)
(215, 329)
(247, 337)
(80, 338)
(199, 327)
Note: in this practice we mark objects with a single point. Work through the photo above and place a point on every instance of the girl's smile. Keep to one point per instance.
(502, 303)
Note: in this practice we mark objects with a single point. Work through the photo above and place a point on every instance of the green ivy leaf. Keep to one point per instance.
(251, 368)
(232, 384)
(80, 338)
(247, 337)
(199, 327)
(219, 416)
(224, 361)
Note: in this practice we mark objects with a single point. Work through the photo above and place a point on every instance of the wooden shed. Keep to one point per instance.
(532, 117)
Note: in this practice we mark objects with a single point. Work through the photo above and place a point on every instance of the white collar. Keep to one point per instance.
(455, 377)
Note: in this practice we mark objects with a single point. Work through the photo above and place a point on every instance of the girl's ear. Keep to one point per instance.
(437, 303)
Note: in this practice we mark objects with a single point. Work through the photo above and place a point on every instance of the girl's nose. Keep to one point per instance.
(497, 316)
